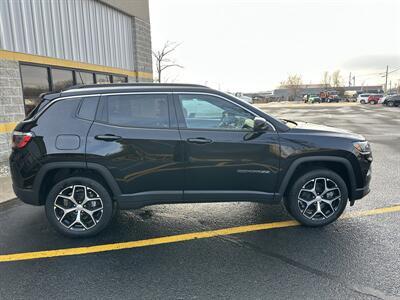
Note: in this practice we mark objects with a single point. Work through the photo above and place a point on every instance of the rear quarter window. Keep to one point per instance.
(59, 110)
(87, 109)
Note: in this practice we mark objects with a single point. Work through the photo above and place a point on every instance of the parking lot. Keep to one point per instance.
(223, 250)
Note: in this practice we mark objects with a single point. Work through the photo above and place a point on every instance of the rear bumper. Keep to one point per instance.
(27, 196)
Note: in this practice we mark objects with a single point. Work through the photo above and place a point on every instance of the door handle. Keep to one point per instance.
(199, 140)
(107, 137)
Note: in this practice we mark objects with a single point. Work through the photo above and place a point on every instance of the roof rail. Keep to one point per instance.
(134, 84)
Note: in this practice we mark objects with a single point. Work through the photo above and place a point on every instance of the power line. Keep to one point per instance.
(395, 70)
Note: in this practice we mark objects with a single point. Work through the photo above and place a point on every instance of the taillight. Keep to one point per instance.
(21, 139)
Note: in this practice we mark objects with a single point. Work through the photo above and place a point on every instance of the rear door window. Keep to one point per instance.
(143, 111)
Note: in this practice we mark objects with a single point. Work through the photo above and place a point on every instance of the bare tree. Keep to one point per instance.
(337, 79)
(162, 58)
(293, 83)
(326, 80)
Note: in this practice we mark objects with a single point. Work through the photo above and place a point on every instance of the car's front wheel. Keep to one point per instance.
(317, 198)
(390, 103)
(79, 207)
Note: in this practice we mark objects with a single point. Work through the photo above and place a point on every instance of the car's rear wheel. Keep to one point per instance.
(362, 102)
(317, 198)
(79, 207)
(390, 103)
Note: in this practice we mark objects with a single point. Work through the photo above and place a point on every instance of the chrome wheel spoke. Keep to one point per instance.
(90, 213)
(319, 198)
(78, 207)
(77, 219)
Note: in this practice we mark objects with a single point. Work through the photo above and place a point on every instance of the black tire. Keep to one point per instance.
(390, 103)
(362, 101)
(332, 211)
(104, 207)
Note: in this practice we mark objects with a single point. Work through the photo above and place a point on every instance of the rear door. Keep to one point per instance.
(224, 158)
(135, 136)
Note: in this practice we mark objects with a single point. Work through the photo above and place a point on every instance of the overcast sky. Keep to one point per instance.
(252, 45)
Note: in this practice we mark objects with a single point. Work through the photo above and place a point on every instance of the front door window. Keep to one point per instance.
(214, 113)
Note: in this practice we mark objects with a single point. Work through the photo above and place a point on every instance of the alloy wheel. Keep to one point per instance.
(319, 198)
(78, 207)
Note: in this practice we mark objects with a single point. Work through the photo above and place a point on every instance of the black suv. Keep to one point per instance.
(391, 101)
(87, 151)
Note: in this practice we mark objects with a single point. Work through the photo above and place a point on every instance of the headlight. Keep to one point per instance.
(362, 147)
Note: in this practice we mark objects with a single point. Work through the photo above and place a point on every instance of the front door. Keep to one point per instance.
(224, 158)
(135, 137)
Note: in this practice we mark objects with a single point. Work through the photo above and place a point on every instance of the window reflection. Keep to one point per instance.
(84, 78)
(35, 81)
(101, 78)
(119, 79)
(62, 79)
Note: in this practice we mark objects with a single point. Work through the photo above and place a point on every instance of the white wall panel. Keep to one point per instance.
(79, 30)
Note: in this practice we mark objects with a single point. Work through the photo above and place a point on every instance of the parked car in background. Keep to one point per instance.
(363, 98)
(243, 97)
(374, 99)
(314, 99)
(350, 96)
(392, 101)
(383, 99)
(333, 98)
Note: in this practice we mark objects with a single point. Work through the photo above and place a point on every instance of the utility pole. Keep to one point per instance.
(354, 80)
(390, 84)
(350, 79)
(387, 71)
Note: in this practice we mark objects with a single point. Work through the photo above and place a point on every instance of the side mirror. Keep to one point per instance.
(260, 124)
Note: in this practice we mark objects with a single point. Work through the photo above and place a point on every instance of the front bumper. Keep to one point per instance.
(359, 193)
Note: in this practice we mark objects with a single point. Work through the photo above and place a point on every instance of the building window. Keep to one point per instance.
(102, 78)
(61, 79)
(42, 79)
(84, 77)
(119, 79)
(35, 81)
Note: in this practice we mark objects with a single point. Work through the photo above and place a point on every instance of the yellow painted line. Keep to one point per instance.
(38, 59)
(371, 212)
(7, 127)
(175, 238)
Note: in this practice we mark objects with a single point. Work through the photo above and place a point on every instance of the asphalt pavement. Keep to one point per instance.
(357, 257)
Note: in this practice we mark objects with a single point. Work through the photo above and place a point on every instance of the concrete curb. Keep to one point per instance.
(9, 203)
(6, 200)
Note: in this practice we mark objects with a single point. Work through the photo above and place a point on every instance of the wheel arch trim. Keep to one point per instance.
(103, 171)
(295, 164)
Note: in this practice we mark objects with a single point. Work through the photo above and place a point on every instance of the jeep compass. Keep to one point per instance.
(87, 151)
